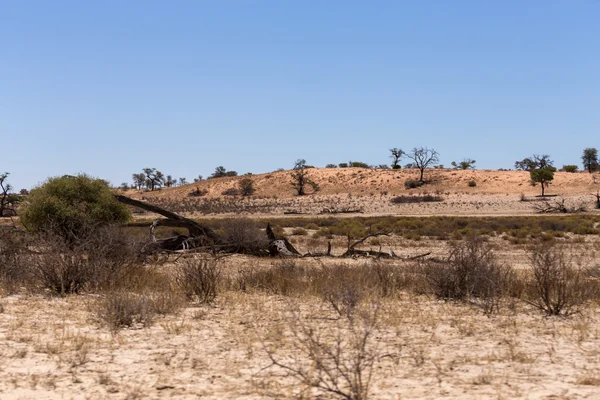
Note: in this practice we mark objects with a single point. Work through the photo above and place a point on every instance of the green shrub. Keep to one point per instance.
(412, 184)
(472, 183)
(570, 168)
(70, 204)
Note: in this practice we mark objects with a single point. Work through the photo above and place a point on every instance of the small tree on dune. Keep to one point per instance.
(465, 164)
(543, 176)
(590, 159)
(423, 158)
(301, 178)
(396, 155)
(154, 179)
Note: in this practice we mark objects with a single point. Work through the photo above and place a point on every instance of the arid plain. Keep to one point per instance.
(327, 326)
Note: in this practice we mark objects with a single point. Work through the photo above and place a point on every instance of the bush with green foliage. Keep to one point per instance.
(472, 183)
(68, 205)
(358, 164)
(570, 168)
(542, 176)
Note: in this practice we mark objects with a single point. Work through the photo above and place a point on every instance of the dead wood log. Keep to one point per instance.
(202, 237)
(352, 252)
(418, 256)
(280, 246)
(172, 220)
(341, 211)
(558, 206)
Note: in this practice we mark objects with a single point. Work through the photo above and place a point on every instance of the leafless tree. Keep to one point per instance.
(423, 158)
(396, 155)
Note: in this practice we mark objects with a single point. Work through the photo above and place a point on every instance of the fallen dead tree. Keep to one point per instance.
(203, 238)
(354, 252)
(558, 206)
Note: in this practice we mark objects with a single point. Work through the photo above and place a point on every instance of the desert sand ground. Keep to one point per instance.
(423, 348)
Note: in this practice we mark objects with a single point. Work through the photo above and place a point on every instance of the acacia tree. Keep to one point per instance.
(590, 159)
(300, 178)
(423, 158)
(154, 179)
(220, 172)
(169, 181)
(541, 169)
(537, 161)
(543, 176)
(5, 196)
(139, 180)
(396, 155)
(466, 163)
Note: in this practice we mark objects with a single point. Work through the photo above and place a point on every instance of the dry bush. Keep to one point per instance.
(246, 186)
(285, 278)
(337, 360)
(14, 257)
(426, 198)
(344, 287)
(123, 309)
(558, 287)
(198, 192)
(165, 302)
(199, 277)
(101, 258)
(241, 235)
(231, 192)
(470, 272)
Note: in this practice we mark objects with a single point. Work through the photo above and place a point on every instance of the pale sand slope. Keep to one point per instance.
(371, 190)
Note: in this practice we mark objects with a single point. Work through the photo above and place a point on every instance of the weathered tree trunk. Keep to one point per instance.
(173, 220)
(199, 235)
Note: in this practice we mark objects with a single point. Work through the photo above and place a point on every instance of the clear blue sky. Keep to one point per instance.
(111, 87)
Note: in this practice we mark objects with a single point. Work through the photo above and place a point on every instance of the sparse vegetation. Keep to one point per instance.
(199, 277)
(558, 286)
(412, 184)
